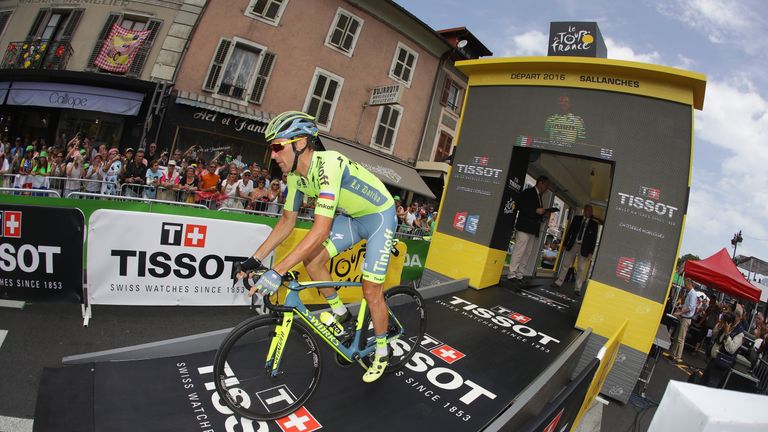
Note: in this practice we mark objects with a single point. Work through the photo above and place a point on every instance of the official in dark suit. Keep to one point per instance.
(530, 214)
(580, 241)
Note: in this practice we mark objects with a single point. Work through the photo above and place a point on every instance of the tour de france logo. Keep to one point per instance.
(572, 40)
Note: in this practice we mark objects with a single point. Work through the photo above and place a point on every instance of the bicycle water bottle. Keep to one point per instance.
(330, 321)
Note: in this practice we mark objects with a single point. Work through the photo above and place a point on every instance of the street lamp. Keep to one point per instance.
(735, 242)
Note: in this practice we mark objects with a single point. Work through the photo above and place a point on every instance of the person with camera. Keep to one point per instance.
(728, 335)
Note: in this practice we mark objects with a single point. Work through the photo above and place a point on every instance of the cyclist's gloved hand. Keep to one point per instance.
(269, 282)
(241, 269)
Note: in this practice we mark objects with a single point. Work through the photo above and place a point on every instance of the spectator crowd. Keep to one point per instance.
(79, 166)
(223, 181)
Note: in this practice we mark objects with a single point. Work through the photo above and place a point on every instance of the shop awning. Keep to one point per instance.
(212, 104)
(74, 96)
(4, 86)
(388, 171)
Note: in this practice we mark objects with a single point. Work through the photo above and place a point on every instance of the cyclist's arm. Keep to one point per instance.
(320, 231)
(283, 228)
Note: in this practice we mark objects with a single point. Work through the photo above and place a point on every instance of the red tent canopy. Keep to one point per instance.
(719, 272)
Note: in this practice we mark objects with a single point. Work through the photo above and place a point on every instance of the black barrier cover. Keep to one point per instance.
(562, 411)
(41, 253)
(475, 359)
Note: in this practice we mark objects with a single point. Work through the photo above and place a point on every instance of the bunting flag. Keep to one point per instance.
(119, 48)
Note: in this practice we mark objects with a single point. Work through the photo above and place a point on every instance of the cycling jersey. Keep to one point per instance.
(340, 184)
(367, 209)
(566, 128)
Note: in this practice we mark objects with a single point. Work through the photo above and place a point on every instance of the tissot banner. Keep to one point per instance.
(158, 259)
(41, 253)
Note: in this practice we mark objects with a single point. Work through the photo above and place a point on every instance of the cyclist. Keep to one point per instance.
(350, 204)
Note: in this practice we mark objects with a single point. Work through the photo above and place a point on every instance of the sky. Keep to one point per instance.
(725, 40)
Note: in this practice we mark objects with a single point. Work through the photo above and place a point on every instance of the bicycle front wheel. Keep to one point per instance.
(244, 376)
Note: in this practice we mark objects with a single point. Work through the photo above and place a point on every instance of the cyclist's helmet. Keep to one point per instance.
(291, 124)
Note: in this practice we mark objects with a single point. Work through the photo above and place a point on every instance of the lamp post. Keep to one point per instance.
(735, 242)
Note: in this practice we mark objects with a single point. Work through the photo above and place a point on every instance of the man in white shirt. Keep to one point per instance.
(684, 314)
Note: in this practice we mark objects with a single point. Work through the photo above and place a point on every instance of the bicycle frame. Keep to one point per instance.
(293, 305)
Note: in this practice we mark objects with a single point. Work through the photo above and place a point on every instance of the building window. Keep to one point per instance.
(239, 70)
(385, 133)
(451, 97)
(403, 64)
(135, 24)
(344, 32)
(323, 96)
(268, 11)
(443, 150)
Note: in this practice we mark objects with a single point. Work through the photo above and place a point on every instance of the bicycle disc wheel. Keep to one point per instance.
(406, 311)
(244, 381)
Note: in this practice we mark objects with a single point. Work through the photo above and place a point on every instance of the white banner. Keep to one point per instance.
(73, 96)
(156, 259)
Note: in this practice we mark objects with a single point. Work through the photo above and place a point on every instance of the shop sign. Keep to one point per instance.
(237, 124)
(386, 95)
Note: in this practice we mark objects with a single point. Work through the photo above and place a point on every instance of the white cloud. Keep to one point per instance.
(723, 21)
(531, 43)
(731, 130)
(617, 50)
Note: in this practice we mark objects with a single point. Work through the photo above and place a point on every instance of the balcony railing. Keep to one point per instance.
(37, 54)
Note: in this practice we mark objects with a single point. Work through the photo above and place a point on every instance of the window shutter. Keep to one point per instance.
(446, 87)
(4, 17)
(72, 22)
(37, 23)
(217, 64)
(263, 77)
(141, 57)
(111, 19)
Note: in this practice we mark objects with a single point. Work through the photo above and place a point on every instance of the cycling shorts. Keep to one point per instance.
(377, 228)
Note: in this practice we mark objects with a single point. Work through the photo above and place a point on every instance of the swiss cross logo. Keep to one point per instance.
(194, 235)
(652, 193)
(176, 234)
(299, 421)
(448, 354)
(11, 221)
(551, 427)
(480, 160)
(522, 319)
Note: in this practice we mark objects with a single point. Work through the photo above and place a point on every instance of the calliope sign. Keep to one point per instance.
(386, 95)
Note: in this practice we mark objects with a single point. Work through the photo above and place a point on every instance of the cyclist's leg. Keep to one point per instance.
(380, 232)
(343, 236)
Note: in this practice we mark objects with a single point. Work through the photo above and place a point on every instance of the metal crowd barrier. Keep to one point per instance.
(262, 208)
(135, 199)
(31, 192)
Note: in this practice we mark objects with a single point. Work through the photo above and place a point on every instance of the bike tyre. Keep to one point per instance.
(266, 325)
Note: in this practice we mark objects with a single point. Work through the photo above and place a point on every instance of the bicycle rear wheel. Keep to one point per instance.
(406, 312)
(244, 380)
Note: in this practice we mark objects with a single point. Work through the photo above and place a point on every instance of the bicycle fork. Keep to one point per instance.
(277, 344)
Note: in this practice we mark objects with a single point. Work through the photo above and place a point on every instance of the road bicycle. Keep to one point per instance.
(269, 365)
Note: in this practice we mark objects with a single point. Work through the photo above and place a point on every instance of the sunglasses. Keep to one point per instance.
(278, 147)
